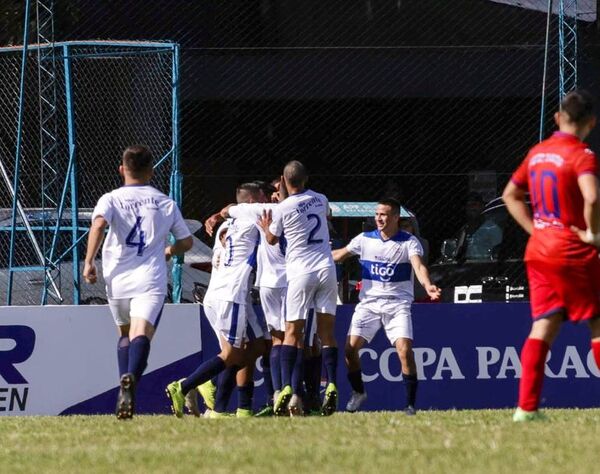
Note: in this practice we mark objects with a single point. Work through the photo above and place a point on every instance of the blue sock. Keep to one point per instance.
(123, 355)
(275, 357)
(139, 349)
(298, 374)
(330, 356)
(245, 394)
(266, 368)
(225, 387)
(411, 383)
(206, 371)
(288, 360)
(355, 379)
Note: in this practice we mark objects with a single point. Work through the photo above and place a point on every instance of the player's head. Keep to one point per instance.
(136, 164)
(280, 192)
(576, 114)
(295, 175)
(266, 190)
(248, 193)
(387, 215)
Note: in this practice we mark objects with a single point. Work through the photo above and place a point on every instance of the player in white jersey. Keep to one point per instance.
(134, 255)
(302, 218)
(226, 305)
(388, 257)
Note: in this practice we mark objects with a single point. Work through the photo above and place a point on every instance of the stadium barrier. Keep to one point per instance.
(61, 360)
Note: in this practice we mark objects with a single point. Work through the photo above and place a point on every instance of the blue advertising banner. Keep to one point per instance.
(467, 357)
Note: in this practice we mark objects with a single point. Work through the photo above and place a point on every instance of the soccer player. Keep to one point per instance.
(302, 218)
(227, 308)
(561, 257)
(388, 257)
(139, 218)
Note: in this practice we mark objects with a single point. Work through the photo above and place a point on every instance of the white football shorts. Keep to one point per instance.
(147, 307)
(272, 301)
(234, 322)
(373, 313)
(316, 290)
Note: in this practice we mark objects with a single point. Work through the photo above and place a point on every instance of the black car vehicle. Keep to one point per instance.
(469, 272)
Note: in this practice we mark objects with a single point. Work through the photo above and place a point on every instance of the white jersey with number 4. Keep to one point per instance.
(386, 268)
(140, 219)
(303, 219)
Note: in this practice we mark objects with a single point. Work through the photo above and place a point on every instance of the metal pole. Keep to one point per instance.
(18, 152)
(544, 79)
(176, 180)
(72, 177)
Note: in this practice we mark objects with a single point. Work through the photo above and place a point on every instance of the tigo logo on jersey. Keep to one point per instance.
(385, 272)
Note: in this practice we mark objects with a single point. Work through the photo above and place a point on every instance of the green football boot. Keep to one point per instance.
(281, 403)
(208, 391)
(330, 401)
(177, 398)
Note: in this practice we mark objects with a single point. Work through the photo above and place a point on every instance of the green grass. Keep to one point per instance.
(432, 442)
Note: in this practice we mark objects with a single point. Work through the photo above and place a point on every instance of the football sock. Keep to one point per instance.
(355, 379)
(410, 384)
(266, 368)
(308, 374)
(245, 394)
(596, 352)
(275, 358)
(298, 373)
(206, 371)
(316, 365)
(139, 348)
(225, 387)
(330, 356)
(533, 359)
(123, 355)
(288, 360)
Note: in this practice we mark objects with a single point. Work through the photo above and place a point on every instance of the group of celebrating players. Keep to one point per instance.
(276, 237)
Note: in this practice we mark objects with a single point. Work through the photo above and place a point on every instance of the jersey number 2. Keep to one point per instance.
(315, 229)
(137, 230)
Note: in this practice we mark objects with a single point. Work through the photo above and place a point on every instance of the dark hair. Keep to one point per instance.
(137, 159)
(267, 188)
(393, 203)
(578, 105)
(295, 174)
(251, 189)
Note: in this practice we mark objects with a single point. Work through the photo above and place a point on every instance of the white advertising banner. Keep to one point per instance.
(584, 9)
(53, 358)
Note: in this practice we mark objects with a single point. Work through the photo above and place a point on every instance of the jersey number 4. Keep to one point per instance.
(137, 231)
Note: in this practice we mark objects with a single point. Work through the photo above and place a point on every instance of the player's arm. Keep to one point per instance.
(180, 247)
(95, 238)
(514, 198)
(213, 222)
(264, 222)
(422, 275)
(588, 185)
(339, 255)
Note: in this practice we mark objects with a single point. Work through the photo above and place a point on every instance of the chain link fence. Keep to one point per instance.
(423, 100)
(118, 94)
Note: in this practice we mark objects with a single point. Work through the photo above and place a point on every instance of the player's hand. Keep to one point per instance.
(89, 273)
(587, 236)
(212, 222)
(434, 292)
(266, 219)
(168, 253)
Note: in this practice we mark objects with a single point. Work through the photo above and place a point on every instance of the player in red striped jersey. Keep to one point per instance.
(561, 258)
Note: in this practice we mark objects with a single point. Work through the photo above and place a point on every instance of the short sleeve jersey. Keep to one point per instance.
(550, 172)
(270, 270)
(238, 259)
(302, 218)
(386, 268)
(140, 219)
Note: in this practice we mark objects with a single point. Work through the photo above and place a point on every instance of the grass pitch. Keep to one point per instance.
(431, 442)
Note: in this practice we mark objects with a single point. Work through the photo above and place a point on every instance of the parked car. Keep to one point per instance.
(28, 285)
(498, 275)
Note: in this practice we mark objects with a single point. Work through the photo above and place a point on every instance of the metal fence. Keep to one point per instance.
(102, 96)
(423, 100)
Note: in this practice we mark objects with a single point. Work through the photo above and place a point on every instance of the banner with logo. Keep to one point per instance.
(62, 359)
(467, 357)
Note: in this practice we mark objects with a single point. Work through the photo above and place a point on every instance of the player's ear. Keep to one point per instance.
(122, 170)
(557, 118)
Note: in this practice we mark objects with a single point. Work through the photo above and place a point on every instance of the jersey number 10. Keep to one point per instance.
(135, 231)
(544, 194)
